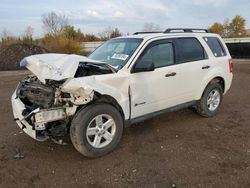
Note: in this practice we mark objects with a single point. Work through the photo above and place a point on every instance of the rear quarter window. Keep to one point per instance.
(188, 50)
(216, 46)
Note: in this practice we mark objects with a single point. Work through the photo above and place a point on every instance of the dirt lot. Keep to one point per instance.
(178, 148)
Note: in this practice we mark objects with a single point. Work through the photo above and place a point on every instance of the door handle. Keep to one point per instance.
(170, 74)
(206, 67)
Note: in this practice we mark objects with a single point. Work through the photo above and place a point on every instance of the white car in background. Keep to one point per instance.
(125, 81)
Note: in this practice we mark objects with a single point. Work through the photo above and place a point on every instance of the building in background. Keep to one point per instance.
(248, 32)
(89, 47)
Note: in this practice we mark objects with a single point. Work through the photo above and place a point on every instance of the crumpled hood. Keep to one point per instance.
(54, 66)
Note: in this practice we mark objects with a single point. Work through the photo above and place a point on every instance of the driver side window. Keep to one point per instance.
(161, 54)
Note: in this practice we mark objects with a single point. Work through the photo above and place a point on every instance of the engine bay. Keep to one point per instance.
(88, 69)
(35, 94)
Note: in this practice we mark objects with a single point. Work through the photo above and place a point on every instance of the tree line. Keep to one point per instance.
(62, 37)
(234, 28)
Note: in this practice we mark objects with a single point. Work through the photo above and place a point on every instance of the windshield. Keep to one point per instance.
(116, 52)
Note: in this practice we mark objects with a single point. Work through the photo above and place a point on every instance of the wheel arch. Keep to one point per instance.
(103, 98)
(100, 98)
(217, 79)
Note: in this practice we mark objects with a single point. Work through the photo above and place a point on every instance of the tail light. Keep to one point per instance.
(230, 62)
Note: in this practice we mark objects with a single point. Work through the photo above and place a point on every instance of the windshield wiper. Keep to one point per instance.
(113, 69)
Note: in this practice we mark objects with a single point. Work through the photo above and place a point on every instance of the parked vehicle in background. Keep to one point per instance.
(124, 81)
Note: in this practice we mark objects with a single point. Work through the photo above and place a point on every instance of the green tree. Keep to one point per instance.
(109, 33)
(70, 32)
(115, 33)
(80, 37)
(233, 28)
(237, 27)
(217, 28)
(91, 38)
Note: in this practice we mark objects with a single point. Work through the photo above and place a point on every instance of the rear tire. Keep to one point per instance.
(211, 100)
(96, 130)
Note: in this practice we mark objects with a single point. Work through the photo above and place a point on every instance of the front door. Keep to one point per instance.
(152, 91)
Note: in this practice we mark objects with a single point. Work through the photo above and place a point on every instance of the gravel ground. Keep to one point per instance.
(178, 149)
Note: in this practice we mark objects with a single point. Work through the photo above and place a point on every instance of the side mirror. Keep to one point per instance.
(143, 66)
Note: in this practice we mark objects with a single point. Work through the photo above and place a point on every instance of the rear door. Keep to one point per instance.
(221, 58)
(193, 64)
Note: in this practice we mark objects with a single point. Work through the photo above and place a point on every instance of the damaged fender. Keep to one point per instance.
(115, 85)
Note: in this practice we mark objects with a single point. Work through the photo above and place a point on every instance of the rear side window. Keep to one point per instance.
(189, 49)
(216, 46)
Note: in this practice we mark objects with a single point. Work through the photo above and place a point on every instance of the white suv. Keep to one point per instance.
(124, 81)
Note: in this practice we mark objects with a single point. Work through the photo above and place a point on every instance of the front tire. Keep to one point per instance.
(96, 130)
(211, 100)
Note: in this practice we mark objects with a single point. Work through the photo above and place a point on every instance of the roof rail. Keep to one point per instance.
(185, 30)
(146, 32)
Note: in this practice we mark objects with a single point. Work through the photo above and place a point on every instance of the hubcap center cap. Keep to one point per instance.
(101, 131)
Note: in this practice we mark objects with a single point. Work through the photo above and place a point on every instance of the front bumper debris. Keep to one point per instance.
(40, 118)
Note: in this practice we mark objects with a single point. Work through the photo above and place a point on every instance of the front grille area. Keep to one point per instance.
(35, 94)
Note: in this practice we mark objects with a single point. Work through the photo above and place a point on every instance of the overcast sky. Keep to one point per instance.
(93, 16)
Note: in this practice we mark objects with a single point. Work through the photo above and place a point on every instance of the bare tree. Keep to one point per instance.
(106, 33)
(226, 31)
(149, 27)
(54, 23)
(6, 34)
(28, 33)
(7, 38)
(109, 33)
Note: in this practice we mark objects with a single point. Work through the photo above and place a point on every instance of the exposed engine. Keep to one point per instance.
(88, 69)
(52, 118)
(35, 94)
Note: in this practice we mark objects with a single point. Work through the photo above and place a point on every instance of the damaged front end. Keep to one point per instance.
(44, 103)
(43, 110)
